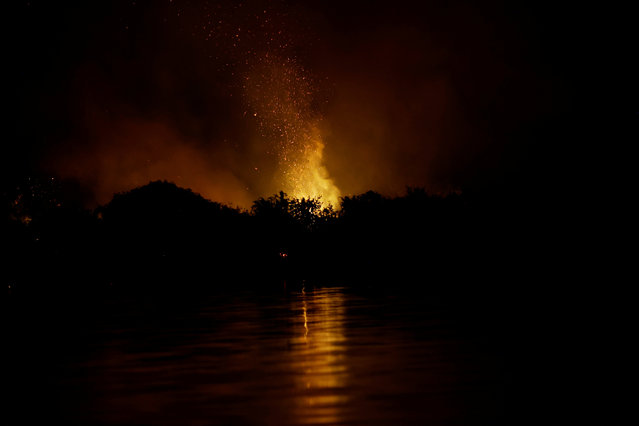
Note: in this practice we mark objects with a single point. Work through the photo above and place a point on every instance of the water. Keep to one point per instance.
(309, 356)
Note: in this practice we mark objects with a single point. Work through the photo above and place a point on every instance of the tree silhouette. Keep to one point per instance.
(160, 232)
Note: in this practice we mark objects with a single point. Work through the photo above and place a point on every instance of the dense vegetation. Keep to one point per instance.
(162, 235)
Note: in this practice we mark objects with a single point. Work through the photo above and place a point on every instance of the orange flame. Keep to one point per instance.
(280, 95)
(307, 177)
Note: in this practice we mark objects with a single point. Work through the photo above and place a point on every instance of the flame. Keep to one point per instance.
(281, 96)
(307, 177)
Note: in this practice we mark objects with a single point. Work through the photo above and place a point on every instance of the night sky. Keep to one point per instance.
(238, 100)
(529, 109)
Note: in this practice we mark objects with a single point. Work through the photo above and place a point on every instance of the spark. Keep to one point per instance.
(280, 94)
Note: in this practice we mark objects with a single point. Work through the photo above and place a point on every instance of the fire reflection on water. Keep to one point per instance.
(322, 356)
(318, 356)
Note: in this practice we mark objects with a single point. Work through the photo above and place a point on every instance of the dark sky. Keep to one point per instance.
(220, 96)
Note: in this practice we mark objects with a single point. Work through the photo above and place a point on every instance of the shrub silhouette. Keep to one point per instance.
(160, 232)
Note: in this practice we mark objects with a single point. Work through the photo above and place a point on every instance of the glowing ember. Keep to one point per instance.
(280, 95)
(282, 98)
(252, 50)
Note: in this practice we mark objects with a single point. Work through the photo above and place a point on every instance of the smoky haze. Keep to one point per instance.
(115, 94)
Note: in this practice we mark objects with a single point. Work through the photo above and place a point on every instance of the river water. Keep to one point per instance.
(302, 356)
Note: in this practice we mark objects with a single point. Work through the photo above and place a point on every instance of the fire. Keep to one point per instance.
(282, 97)
(307, 177)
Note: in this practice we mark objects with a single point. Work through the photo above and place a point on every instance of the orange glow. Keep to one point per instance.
(127, 153)
(318, 358)
(307, 177)
(281, 97)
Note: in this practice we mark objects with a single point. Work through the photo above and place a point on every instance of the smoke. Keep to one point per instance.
(126, 153)
(148, 102)
(402, 114)
(241, 100)
(282, 98)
